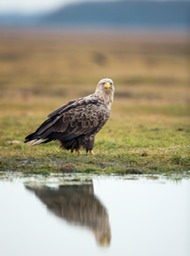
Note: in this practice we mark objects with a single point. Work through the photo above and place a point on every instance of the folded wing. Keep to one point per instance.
(78, 117)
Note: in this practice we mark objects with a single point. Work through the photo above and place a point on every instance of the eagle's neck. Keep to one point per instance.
(106, 97)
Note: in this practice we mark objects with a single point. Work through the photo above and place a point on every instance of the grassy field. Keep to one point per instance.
(149, 129)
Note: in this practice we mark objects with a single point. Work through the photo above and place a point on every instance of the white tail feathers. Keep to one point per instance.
(35, 142)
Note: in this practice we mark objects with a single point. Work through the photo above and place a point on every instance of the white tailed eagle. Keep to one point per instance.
(76, 123)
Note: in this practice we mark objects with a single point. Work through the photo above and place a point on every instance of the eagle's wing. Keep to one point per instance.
(79, 117)
(65, 107)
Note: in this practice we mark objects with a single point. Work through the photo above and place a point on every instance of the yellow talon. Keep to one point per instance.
(77, 151)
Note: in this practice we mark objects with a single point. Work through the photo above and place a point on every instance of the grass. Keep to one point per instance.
(148, 131)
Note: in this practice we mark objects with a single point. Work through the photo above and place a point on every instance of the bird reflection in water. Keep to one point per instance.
(78, 205)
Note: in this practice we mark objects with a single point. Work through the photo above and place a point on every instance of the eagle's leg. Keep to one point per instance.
(77, 151)
(91, 152)
(89, 144)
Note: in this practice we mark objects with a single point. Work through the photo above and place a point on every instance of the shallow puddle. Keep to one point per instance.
(94, 216)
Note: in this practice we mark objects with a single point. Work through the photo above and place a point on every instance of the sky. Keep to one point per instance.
(35, 6)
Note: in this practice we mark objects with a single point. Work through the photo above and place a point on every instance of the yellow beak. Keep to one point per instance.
(105, 241)
(107, 85)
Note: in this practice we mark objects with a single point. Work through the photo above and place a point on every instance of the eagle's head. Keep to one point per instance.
(105, 90)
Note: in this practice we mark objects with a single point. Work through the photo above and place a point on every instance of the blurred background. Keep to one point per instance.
(61, 49)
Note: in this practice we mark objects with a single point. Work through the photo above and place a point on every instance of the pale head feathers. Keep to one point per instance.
(105, 90)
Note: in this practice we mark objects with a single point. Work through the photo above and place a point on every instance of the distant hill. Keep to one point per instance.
(19, 19)
(124, 14)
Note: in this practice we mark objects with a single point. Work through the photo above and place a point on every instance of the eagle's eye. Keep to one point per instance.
(107, 82)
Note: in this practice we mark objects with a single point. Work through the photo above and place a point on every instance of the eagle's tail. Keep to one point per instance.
(33, 139)
(42, 134)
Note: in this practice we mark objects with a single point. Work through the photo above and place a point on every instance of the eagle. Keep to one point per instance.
(76, 123)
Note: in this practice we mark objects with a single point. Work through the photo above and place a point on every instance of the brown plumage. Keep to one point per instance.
(76, 123)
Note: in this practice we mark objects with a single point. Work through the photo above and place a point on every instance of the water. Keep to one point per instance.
(100, 216)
